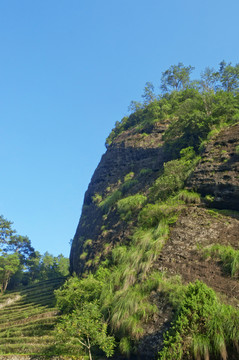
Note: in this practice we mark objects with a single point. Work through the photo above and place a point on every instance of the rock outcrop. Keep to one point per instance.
(217, 175)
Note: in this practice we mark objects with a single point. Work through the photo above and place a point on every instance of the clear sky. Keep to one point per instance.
(68, 71)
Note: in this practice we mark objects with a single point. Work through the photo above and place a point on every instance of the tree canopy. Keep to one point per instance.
(177, 77)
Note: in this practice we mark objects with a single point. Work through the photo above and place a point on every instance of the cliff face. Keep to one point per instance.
(218, 172)
(130, 166)
(216, 177)
(131, 153)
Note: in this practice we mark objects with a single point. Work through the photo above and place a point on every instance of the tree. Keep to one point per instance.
(148, 94)
(12, 243)
(15, 252)
(85, 327)
(177, 77)
(21, 245)
(62, 265)
(209, 78)
(9, 264)
(134, 106)
(229, 76)
(6, 231)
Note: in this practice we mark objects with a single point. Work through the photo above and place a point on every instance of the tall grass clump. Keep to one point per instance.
(189, 197)
(203, 327)
(174, 175)
(129, 205)
(125, 295)
(227, 255)
(110, 200)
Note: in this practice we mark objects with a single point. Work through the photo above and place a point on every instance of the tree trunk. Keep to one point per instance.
(89, 348)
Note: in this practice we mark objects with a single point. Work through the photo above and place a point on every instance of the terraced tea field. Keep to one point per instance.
(27, 319)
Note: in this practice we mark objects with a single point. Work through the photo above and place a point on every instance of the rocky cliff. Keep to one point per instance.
(129, 154)
(132, 166)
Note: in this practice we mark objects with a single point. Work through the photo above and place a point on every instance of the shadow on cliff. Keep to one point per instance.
(115, 164)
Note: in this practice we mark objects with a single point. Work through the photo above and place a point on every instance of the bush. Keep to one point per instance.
(202, 326)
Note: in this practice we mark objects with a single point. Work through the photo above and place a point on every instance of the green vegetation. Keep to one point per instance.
(144, 172)
(177, 77)
(228, 256)
(16, 252)
(122, 286)
(189, 197)
(97, 198)
(203, 326)
(28, 318)
(129, 205)
(193, 108)
(174, 175)
(21, 265)
(110, 200)
(85, 328)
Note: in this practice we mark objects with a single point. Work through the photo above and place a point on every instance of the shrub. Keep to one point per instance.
(202, 326)
(85, 328)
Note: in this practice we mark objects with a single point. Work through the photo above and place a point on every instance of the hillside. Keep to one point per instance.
(27, 320)
(160, 217)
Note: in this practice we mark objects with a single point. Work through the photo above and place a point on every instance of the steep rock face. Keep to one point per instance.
(131, 152)
(197, 227)
(217, 174)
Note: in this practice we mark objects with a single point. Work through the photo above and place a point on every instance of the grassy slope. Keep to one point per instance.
(27, 319)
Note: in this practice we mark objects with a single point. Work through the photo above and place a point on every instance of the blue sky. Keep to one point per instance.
(68, 71)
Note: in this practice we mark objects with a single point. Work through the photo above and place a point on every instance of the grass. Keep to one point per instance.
(189, 197)
(174, 175)
(129, 205)
(228, 256)
(110, 200)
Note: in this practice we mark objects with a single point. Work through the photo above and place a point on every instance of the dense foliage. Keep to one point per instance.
(192, 109)
(203, 326)
(20, 264)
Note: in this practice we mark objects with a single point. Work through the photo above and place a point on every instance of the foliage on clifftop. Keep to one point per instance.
(191, 110)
